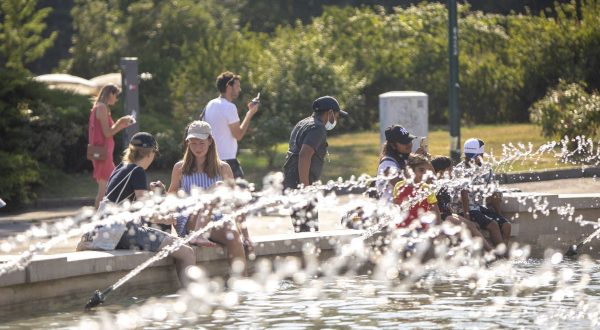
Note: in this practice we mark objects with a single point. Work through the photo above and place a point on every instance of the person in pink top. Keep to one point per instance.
(101, 130)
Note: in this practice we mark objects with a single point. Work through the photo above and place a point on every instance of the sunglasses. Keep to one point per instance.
(231, 81)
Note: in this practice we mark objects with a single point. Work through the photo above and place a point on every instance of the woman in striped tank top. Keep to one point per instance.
(202, 168)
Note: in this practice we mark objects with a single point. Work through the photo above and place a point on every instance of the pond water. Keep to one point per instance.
(363, 302)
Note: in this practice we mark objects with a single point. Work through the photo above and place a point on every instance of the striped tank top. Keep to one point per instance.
(198, 179)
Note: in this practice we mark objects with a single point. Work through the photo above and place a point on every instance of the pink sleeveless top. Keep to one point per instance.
(102, 168)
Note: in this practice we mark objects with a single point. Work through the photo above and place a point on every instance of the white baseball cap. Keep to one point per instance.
(198, 130)
(473, 147)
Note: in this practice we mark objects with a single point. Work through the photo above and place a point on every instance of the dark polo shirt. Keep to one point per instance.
(310, 131)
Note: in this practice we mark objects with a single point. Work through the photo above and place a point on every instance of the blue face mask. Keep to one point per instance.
(329, 125)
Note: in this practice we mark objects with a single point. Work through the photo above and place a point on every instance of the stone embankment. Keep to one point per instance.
(72, 277)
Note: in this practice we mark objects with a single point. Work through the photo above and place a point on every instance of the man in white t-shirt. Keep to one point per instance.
(223, 117)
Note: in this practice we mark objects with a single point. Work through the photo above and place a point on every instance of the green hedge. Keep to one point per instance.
(568, 111)
(39, 127)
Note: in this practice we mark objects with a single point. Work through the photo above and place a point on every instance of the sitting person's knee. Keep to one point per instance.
(493, 225)
(232, 234)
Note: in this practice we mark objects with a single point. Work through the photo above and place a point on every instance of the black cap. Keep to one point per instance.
(326, 103)
(143, 140)
(398, 134)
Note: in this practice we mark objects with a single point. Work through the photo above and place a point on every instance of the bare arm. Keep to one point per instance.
(438, 218)
(139, 194)
(304, 159)
(176, 178)
(226, 172)
(464, 198)
(108, 131)
(239, 130)
(496, 201)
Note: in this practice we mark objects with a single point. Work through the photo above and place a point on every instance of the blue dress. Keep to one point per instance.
(188, 182)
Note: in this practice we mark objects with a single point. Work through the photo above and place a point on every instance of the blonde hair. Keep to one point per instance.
(132, 154)
(106, 91)
(212, 165)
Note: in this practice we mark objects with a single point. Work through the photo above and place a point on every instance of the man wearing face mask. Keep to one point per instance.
(308, 143)
(306, 154)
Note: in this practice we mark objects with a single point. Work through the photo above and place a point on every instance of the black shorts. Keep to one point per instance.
(236, 168)
(485, 216)
(306, 218)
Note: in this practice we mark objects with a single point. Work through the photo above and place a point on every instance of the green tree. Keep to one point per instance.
(568, 110)
(99, 38)
(21, 28)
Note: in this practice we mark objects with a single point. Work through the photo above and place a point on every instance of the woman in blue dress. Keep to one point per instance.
(202, 168)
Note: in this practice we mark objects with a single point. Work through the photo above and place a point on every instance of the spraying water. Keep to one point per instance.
(401, 267)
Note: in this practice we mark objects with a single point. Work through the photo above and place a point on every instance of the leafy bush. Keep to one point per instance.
(506, 61)
(19, 174)
(38, 126)
(568, 110)
(170, 144)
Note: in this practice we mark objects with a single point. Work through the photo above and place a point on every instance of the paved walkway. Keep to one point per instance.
(13, 224)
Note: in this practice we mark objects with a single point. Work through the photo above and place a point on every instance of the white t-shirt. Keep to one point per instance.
(220, 113)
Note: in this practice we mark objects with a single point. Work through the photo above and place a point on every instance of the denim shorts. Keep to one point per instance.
(140, 237)
(182, 220)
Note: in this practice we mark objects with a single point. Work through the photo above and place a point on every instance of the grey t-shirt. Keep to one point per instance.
(310, 131)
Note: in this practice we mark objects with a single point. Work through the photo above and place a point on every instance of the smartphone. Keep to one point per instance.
(132, 116)
(256, 99)
(423, 143)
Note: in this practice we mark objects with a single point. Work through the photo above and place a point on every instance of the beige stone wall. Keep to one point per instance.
(55, 281)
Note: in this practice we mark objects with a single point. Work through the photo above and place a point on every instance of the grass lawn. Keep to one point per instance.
(349, 154)
(358, 153)
(62, 185)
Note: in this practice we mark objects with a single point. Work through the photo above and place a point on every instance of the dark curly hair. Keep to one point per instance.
(226, 78)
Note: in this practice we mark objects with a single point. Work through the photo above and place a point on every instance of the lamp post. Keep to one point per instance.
(453, 86)
(130, 83)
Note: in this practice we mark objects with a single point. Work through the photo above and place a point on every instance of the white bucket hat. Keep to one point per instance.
(198, 130)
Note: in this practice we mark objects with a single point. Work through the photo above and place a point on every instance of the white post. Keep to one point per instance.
(408, 109)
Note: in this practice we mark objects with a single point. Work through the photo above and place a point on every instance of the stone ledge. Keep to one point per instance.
(522, 202)
(71, 277)
(66, 265)
(89, 263)
(570, 173)
(581, 201)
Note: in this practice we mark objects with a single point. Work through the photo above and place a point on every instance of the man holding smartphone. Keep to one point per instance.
(222, 115)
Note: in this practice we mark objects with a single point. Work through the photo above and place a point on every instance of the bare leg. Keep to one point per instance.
(506, 232)
(495, 201)
(101, 191)
(198, 222)
(472, 227)
(228, 236)
(184, 258)
(495, 234)
(242, 227)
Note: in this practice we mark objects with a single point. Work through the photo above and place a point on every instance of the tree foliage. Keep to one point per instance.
(21, 28)
(507, 62)
(568, 110)
(353, 50)
(40, 129)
